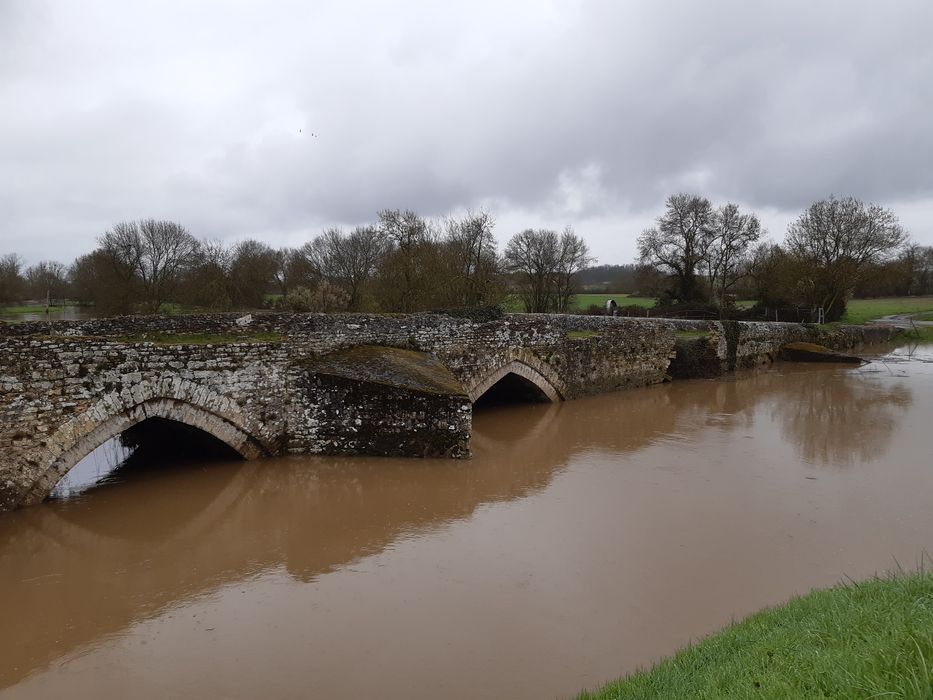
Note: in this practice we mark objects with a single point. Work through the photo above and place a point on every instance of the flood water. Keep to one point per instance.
(53, 313)
(582, 541)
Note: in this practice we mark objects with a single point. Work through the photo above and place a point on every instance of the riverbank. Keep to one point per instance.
(868, 639)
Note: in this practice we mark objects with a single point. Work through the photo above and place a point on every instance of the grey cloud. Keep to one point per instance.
(578, 111)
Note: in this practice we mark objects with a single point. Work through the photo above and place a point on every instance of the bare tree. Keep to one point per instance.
(409, 274)
(208, 282)
(470, 261)
(47, 280)
(572, 258)
(349, 262)
(11, 280)
(114, 267)
(292, 269)
(151, 255)
(679, 243)
(545, 267)
(923, 271)
(730, 238)
(838, 240)
(252, 273)
(531, 257)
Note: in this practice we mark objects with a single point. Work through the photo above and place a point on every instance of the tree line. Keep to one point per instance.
(402, 262)
(699, 254)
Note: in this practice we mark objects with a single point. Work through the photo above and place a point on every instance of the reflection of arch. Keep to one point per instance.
(542, 376)
(173, 399)
(74, 529)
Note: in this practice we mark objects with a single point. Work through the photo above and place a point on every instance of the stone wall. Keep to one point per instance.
(705, 349)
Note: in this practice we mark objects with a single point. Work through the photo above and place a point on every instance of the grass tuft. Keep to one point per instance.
(692, 334)
(857, 640)
(581, 334)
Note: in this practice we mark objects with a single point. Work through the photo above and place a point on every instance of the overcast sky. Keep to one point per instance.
(275, 119)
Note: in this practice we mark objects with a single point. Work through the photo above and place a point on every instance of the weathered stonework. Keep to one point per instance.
(380, 401)
(67, 386)
(725, 346)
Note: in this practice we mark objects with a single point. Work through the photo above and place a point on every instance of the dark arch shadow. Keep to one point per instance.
(511, 389)
(547, 387)
(172, 409)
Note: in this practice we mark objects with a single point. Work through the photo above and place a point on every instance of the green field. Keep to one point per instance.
(581, 302)
(33, 309)
(861, 640)
(859, 310)
(862, 310)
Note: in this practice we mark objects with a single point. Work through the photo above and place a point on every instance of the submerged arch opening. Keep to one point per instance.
(153, 445)
(511, 389)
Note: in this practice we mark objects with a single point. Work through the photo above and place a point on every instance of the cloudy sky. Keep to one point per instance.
(275, 119)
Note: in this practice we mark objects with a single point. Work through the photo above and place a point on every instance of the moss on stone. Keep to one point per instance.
(576, 335)
(694, 357)
(811, 352)
(732, 330)
(377, 364)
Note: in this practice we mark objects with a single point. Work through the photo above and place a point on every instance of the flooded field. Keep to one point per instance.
(53, 313)
(583, 540)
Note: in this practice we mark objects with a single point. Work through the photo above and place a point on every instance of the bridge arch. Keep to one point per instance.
(175, 399)
(531, 370)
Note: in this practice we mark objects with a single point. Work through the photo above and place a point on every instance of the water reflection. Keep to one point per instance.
(840, 423)
(637, 471)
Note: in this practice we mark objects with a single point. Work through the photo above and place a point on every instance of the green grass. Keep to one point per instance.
(692, 334)
(33, 308)
(862, 310)
(582, 334)
(925, 317)
(581, 302)
(861, 640)
(922, 334)
(199, 338)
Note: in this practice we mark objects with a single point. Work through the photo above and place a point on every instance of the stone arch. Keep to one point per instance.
(541, 375)
(173, 399)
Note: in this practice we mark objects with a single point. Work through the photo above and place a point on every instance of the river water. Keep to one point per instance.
(582, 541)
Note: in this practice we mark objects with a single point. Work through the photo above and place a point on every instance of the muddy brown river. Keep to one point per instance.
(582, 541)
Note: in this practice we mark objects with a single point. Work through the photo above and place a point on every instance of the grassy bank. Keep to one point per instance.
(866, 640)
(862, 310)
(922, 334)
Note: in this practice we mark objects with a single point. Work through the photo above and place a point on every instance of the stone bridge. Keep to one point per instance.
(303, 383)
(272, 383)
